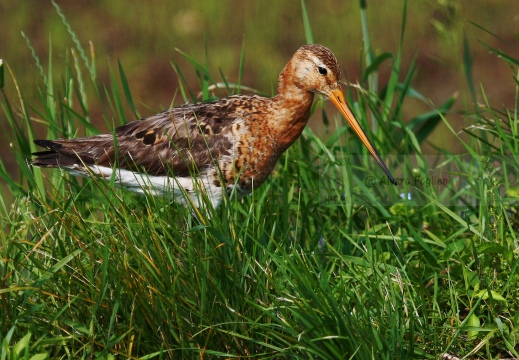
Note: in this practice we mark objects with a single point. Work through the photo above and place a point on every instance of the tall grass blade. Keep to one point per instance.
(2, 78)
(126, 90)
(116, 98)
(35, 58)
(501, 54)
(242, 64)
(306, 23)
(424, 124)
(467, 66)
(75, 39)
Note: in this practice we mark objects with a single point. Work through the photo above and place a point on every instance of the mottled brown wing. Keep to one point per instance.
(178, 141)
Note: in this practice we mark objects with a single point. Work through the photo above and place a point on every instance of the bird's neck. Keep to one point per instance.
(293, 104)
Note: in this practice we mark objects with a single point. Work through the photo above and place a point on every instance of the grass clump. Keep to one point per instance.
(324, 261)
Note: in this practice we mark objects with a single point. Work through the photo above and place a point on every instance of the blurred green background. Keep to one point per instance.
(144, 35)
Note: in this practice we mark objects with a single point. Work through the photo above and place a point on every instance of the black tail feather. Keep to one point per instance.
(51, 157)
(48, 144)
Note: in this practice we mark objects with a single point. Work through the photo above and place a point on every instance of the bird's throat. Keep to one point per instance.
(294, 105)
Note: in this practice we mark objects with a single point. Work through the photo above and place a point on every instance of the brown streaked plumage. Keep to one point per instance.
(232, 143)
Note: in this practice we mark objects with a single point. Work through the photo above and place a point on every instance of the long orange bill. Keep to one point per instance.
(337, 98)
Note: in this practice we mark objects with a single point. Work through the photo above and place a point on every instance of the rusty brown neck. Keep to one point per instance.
(292, 105)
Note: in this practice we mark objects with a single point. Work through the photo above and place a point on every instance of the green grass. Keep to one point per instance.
(325, 261)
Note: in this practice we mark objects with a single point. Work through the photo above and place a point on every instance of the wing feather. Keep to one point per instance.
(177, 141)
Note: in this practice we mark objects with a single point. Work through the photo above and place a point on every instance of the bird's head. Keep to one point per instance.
(314, 68)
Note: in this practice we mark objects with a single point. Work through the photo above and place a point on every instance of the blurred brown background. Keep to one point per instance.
(144, 35)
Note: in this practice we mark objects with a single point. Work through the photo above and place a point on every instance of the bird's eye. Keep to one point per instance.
(322, 70)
